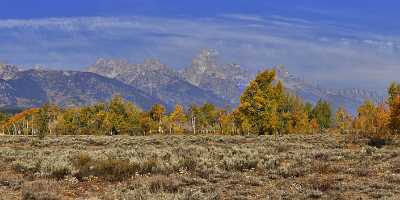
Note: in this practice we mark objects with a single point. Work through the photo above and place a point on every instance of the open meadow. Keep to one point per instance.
(322, 166)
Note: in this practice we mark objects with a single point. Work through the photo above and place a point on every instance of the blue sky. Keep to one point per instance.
(366, 11)
(341, 43)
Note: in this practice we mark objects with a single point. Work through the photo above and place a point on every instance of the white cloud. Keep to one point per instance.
(244, 17)
(318, 51)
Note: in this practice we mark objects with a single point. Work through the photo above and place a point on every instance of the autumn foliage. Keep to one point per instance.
(266, 107)
(394, 104)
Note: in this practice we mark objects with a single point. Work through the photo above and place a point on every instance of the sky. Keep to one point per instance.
(342, 43)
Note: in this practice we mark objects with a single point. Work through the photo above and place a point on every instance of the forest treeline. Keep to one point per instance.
(265, 108)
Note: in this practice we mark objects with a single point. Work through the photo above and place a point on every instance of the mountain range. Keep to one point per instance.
(157, 80)
(351, 99)
(31, 88)
(205, 80)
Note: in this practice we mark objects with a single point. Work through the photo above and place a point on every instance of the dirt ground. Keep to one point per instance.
(325, 166)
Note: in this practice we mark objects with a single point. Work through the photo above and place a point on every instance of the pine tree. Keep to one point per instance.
(394, 92)
(322, 112)
(308, 107)
(3, 117)
(43, 120)
(209, 117)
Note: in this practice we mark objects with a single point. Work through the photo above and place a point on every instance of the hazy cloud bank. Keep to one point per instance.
(325, 52)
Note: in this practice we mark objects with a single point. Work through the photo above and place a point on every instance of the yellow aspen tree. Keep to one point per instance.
(343, 120)
(382, 119)
(157, 113)
(394, 104)
(366, 120)
(260, 102)
(178, 119)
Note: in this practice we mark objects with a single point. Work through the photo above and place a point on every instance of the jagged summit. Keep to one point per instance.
(111, 63)
(7, 71)
(227, 81)
(206, 61)
(122, 64)
(156, 79)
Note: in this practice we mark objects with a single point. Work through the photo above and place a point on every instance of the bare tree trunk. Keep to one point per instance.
(15, 129)
(194, 125)
(160, 130)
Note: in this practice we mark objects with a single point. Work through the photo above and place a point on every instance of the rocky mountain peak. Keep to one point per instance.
(110, 63)
(206, 61)
(109, 67)
(208, 54)
(156, 79)
(154, 65)
(226, 81)
(7, 71)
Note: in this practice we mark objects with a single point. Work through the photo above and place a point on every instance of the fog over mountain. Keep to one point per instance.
(333, 44)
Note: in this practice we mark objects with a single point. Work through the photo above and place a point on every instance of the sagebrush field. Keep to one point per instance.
(321, 166)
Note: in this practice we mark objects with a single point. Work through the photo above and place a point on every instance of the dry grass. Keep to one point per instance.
(40, 190)
(200, 167)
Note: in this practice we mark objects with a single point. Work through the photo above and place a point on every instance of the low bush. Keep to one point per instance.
(111, 169)
(322, 184)
(378, 142)
(239, 163)
(26, 166)
(188, 163)
(149, 165)
(163, 184)
(40, 190)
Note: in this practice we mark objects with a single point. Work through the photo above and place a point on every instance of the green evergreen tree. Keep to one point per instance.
(322, 112)
(43, 120)
(308, 108)
(3, 117)
(394, 92)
